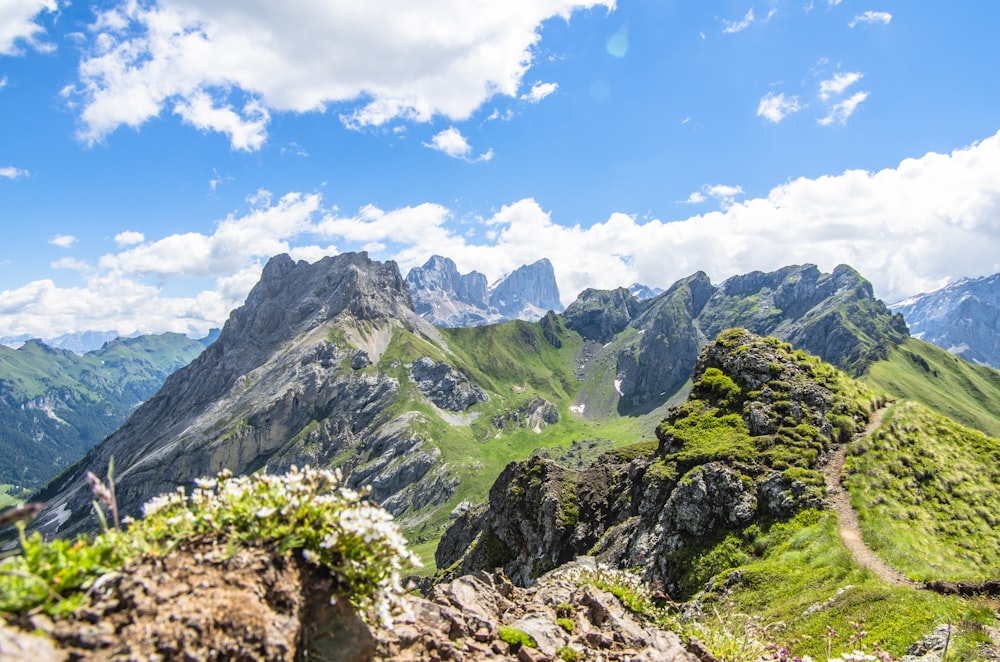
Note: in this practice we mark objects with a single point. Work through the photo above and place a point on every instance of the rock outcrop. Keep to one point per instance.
(446, 387)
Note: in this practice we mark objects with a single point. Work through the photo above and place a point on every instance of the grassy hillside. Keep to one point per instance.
(55, 405)
(926, 490)
(953, 387)
(798, 586)
(515, 363)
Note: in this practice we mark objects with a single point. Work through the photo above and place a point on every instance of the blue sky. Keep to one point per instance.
(154, 154)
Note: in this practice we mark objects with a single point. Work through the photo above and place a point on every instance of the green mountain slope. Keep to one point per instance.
(728, 512)
(55, 405)
(953, 387)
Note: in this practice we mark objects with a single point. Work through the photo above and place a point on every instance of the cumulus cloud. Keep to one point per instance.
(871, 18)
(226, 66)
(10, 172)
(730, 27)
(908, 229)
(454, 144)
(776, 107)
(18, 23)
(129, 238)
(539, 91)
(63, 240)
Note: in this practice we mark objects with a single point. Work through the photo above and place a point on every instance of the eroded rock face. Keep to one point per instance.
(446, 387)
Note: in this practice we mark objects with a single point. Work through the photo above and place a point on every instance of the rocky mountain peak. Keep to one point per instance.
(293, 295)
(292, 359)
(531, 287)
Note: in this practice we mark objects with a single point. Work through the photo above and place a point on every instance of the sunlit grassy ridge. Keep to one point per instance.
(798, 586)
(926, 490)
(953, 387)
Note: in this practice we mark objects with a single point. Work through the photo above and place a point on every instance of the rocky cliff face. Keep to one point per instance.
(447, 298)
(962, 318)
(527, 293)
(288, 381)
(746, 445)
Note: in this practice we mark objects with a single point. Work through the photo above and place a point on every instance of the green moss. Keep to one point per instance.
(566, 624)
(515, 638)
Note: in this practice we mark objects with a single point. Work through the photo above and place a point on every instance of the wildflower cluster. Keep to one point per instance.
(305, 509)
(308, 510)
(630, 589)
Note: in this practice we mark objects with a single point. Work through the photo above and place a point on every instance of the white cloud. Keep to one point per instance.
(836, 85)
(539, 91)
(729, 27)
(454, 144)
(129, 238)
(776, 107)
(871, 18)
(17, 23)
(696, 198)
(226, 66)
(907, 229)
(63, 240)
(839, 112)
(725, 194)
(3, 82)
(10, 172)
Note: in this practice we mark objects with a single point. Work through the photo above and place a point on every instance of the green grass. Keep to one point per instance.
(951, 386)
(11, 495)
(800, 580)
(926, 492)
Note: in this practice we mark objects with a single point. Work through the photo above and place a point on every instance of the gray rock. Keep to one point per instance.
(446, 387)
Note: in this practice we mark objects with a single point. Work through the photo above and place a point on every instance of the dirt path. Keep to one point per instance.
(847, 517)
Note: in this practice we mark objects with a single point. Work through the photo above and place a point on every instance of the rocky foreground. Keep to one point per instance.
(202, 602)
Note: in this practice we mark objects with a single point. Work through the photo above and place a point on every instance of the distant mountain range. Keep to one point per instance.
(329, 364)
(56, 404)
(444, 297)
(962, 317)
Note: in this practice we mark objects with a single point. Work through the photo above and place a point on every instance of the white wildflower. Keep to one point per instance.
(266, 511)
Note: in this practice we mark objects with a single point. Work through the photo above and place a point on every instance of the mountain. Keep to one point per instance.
(447, 298)
(56, 404)
(527, 293)
(328, 364)
(963, 318)
(640, 291)
(80, 342)
(648, 348)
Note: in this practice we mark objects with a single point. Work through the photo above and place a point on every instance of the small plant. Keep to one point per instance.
(566, 624)
(568, 654)
(516, 638)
